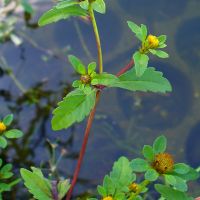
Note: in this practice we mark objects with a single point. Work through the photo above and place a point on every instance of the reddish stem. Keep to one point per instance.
(83, 148)
(87, 132)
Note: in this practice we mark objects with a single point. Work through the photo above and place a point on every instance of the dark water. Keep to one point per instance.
(125, 121)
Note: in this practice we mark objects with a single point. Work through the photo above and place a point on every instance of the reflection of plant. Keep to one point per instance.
(5, 170)
(122, 184)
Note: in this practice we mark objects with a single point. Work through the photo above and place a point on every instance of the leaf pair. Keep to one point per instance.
(98, 5)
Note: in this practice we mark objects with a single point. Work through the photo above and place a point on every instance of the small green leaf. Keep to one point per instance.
(55, 14)
(63, 4)
(162, 39)
(139, 165)
(171, 194)
(102, 191)
(141, 63)
(7, 120)
(76, 83)
(74, 108)
(13, 133)
(160, 144)
(109, 185)
(27, 6)
(84, 4)
(99, 6)
(63, 187)
(144, 32)
(104, 79)
(151, 175)
(161, 54)
(78, 66)
(148, 152)
(3, 142)
(91, 67)
(181, 168)
(136, 29)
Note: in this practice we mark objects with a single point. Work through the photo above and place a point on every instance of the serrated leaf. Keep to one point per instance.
(102, 191)
(99, 6)
(139, 165)
(151, 80)
(171, 194)
(160, 144)
(135, 29)
(36, 185)
(181, 168)
(121, 173)
(55, 14)
(151, 175)
(148, 152)
(7, 120)
(74, 108)
(3, 142)
(141, 63)
(78, 66)
(13, 133)
(109, 185)
(104, 79)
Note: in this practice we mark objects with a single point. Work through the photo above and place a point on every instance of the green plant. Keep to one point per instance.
(157, 167)
(82, 101)
(6, 175)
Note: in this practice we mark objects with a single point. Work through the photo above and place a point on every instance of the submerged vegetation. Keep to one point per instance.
(130, 179)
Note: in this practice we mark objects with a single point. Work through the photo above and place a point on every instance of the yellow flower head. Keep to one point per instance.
(108, 198)
(163, 163)
(153, 41)
(2, 127)
(133, 187)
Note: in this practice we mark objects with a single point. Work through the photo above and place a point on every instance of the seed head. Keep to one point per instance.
(85, 79)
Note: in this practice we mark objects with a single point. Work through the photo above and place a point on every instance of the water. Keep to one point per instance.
(126, 117)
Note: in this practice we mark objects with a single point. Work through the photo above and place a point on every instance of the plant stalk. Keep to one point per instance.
(98, 41)
(83, 148)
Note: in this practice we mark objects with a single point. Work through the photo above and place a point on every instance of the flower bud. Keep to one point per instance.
(153, 41)
(108, 198)
(133, 187)
(2, 127)
(85, 79)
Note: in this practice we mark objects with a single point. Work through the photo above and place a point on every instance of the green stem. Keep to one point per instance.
(140, 189)
(98, 41)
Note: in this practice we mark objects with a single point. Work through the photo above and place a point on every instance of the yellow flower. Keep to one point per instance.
(2, 127)
(163, 163)
(133, 187)
(153, 41)
(108, 198)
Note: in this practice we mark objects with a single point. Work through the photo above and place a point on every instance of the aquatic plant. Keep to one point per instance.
(83, 100)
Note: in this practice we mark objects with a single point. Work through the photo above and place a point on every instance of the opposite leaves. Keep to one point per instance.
(74, 108)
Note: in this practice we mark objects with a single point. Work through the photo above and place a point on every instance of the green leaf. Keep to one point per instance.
(181, 168)
(84, 4)
(144, 32)
(136, 29)
(122, 174)
(160, 144)
(27, 6)
(66, 3)
(109, 185)
(13, 133)
(102, 191)
(151, 80)
(63, 187)
(7, 120)
(177, 182)
(151, 175)
(191, 175)
(55, 14)
(141, 63)
(91, 67)
(171, 194)
(78, 66)
(99, 6)
(74, 108)
(36, 185)
(3, 142)
(139, 165)
(161, 54)
(162, 39)
(148, 152)
(104, 79)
